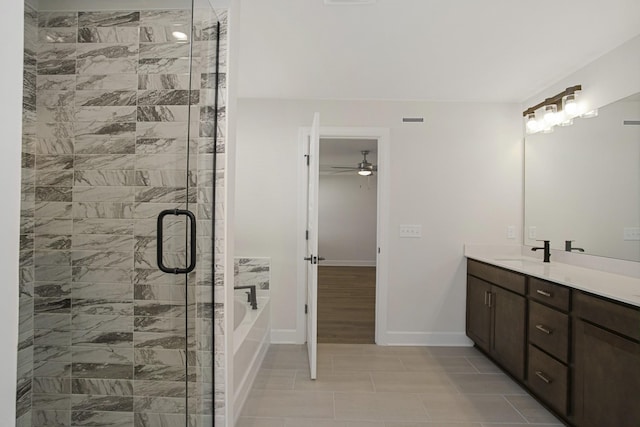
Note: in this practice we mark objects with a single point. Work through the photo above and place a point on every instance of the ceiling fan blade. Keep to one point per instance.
(344, 167)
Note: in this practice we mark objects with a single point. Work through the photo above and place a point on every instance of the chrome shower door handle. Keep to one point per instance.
(192, 241)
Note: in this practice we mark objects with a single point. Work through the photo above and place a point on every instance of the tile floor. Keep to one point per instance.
(366, 385)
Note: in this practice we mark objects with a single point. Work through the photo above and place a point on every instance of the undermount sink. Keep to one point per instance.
(519, 261)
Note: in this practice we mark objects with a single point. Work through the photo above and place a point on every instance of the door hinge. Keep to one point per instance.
(306, 235)
(378, 250)
(306, 156)
(306, 309)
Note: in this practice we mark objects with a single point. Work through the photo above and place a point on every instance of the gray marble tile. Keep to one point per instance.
(159, 405)
(103, 226)
(50, 401)
(150, 210)
(105, 161)
(52, 305)
(54, 178)
(54, 162)
(53, 145)
(163, 113)
(169, 49)
(104, 145)
(54, 290)
(54, 114)
(105, 387)
(52, 385)
(168, 97)
(164, 372)
(159, 308)
(158, 33)
(81, 322)
(52, 321)
(164, 66)
(57, 35)
(53, 194)
(109, 210)
(114, 291)
(55, 66)
(55, 98)
(108, 34)
(56, 83)
(175, 389)
(49, 337)
(162, 162)
(101, 403)
(163, 293)
(102, 307)
(51, 257)
(97, 242)
(51, 242)
(126, 82)
(164, 195)
(110, 340)
(105, 194)
(98, 258)
(104, 177)
(166, 17)
(105, 97)
(55, 131)
(51, 369)
(56, 51)
(115, 129)
(159, 340)
(58, 418)
(101, 275)
(102, 371)
(164, 81)
(177, 326)
(57, 19)
(102, 65)
(59, 210)
(102, 418)
(155, 276)
(52, 273)
(106, 114)
(108, 19)
(161, 357)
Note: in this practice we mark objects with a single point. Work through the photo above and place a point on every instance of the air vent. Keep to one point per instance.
(347, 2)
(413, 120)
(631, 122)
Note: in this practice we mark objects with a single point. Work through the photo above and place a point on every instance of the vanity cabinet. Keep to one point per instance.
(606, 375)
(496, 314)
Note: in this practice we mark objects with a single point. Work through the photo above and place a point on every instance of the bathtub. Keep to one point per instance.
(251, 338)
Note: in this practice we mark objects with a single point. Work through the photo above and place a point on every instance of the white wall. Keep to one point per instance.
(347, 218)
(11, 53)
(459, 175)
(609, 78)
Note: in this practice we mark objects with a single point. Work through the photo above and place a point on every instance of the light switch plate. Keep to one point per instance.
(533, 234)
(410, 231)
(511, 232)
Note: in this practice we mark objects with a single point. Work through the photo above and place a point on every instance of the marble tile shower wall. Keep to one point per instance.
(107, 151)
(25, 332)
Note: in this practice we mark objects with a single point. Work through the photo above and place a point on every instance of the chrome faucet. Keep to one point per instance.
(252, 297)
(569, 248)
(547, 249)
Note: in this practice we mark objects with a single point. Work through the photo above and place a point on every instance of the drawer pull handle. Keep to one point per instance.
(541, 375)
(485, 297)
(543, 293)
(542, 328)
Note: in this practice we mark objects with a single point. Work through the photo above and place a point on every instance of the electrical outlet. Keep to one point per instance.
(411, 231)
(511, 232)
(533, 233)
(631, 233)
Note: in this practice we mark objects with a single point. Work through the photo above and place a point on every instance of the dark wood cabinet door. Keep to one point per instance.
(478, 312)
(509, 323)
(606, 378)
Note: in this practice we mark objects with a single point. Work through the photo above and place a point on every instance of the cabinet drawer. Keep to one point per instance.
(549, 330)
(504, 278)
(618, 317)
(548, 379)
(549, 293)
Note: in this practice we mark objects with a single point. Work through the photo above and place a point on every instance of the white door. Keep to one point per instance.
(312, 258)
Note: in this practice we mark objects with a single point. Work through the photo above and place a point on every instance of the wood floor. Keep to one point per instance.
(346, 304)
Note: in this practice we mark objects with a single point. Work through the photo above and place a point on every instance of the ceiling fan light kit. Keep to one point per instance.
(364, 168)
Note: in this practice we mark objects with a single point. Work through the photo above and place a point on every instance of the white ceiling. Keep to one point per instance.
(436, 50)
(346, 152)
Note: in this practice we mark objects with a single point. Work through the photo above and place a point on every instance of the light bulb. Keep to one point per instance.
(550, 115)
(179, 35)
(364, 172)
(570, 106)
(532, 124)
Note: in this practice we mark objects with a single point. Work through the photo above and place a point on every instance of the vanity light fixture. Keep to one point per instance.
(558, 110)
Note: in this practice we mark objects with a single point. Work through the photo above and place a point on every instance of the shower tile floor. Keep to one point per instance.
(366, 385)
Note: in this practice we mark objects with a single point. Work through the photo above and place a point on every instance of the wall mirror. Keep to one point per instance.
(582, 183)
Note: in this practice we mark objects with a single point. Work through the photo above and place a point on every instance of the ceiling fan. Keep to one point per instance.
(364, 168)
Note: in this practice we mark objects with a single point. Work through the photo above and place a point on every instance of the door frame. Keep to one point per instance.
(382, 135)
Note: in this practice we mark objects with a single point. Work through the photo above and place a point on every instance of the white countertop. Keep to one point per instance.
(614, 286)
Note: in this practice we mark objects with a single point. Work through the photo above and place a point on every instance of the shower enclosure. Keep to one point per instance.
(120, 139)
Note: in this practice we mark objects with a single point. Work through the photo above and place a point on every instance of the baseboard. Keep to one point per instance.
(436, 339)
(284, 336)
(347, 263)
